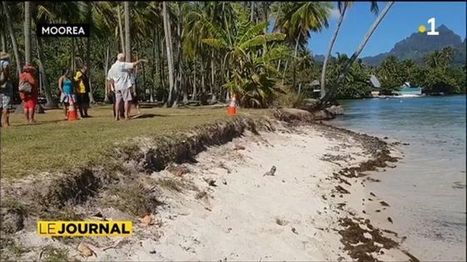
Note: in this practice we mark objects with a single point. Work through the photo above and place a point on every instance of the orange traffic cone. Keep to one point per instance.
(72, 114)
(232, 109)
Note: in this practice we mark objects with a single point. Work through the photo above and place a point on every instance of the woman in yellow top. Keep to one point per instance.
(82, 91)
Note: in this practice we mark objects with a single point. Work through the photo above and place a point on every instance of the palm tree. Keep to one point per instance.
(298, 19)
(120, 29)
(331, 95)
(14, 44)
(169, 47)
(250, 76)
(127, 31)
(27, 32)
(342, 7)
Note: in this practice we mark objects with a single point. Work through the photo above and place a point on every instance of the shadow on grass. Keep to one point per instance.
(147, 116)
(42, 122)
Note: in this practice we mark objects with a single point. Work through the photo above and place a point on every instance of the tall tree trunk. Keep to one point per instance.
(12, 37)
(27, 32)
(162, 58)
(47, 91)
(285, 70)
(168, 44)
(252, 11)
(106, 69)
(120, 29)
(295, 61)
(88, 54)
(328, 54)
(213, 94)
(195, 91)
(154, 64)
(2, 35)
(73, 55)
(331, 95)
(178, 87)
(126, 4)
(367, 36)
(202, 96)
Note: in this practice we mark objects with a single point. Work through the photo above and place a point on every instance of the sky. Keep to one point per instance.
(401, 21)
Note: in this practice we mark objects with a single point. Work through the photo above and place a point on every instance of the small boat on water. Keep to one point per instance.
(406, 90)
(409, 91)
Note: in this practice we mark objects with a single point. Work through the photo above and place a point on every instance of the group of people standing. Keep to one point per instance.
(74, 89)
(27, 87)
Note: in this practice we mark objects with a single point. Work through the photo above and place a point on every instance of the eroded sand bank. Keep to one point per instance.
(230, 204)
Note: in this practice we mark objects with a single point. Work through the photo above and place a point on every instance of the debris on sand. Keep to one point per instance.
(342, 190)
(458, 185)
(178, 170)
(147, 220)
(281, 222)
(271, 172)
(85, 250)
(383, 203)
(357, 241)
(210, 181)
(239, 147)
(294, 231)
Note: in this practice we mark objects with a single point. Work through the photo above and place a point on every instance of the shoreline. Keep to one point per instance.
(350, 228)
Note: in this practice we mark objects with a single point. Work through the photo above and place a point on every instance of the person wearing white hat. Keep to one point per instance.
(6, 89)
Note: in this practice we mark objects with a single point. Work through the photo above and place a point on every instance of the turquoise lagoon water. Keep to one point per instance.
(427, 188)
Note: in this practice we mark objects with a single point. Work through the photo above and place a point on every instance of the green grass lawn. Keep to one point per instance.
(54, 144)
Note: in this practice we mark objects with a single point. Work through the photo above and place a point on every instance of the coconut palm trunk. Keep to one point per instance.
(195, 91)
(106, 68)
(27, 32)
(367, 37)
(297, 41)
(213, 94)
(88, 54)
(328, 54)
(48, 93)
(348, 65)
(120, 30)
(73, 55)
(12, 36)
(126, 5)
(168, 44)
(178, 87)
(2, 35)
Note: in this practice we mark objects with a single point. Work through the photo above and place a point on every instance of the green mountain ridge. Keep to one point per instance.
(417, 45)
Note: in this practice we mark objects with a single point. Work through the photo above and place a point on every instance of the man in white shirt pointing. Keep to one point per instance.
(120, 76)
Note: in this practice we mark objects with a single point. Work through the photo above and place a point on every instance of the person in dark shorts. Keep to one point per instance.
(6, 89)
(82, 91)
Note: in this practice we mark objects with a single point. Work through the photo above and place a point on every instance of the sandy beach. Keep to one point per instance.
(273, 196)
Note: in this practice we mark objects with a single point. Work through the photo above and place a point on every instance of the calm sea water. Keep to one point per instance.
(427, 188)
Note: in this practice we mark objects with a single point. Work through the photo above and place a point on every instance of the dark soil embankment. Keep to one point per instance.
(47, 194)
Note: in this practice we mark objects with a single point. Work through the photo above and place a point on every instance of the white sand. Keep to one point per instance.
(249, 216)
